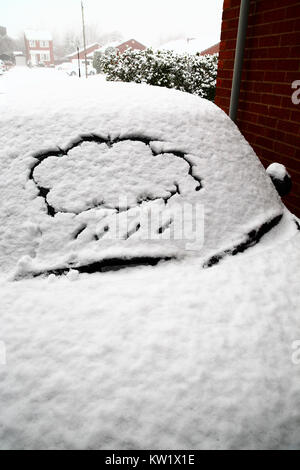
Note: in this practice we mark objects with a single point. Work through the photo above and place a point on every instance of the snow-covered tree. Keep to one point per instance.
(193, 73)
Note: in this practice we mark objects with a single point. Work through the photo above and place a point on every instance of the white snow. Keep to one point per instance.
(82, 49)
(186, 46)
(167, 357)
(36, 35)
(172, 356)
(49, 112)
(277, 170)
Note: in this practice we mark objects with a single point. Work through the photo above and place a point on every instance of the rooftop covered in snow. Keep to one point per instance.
(35, 35)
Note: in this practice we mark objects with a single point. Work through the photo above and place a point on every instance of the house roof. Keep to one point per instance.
(131, 41)
(103, 48)
(211, 50)
(82, 49)
(184, 46)
(33, 35)
(114, 45)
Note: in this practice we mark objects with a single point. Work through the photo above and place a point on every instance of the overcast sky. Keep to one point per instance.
(150, 22)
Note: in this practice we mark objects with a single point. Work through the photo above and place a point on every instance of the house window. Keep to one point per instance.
(32, 43)
(44, 43)
(45, 57)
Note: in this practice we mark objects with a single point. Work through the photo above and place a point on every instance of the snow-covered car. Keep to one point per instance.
(72, 69)
(2, 67)
(194, 343)
(64, 66)
(90, 71)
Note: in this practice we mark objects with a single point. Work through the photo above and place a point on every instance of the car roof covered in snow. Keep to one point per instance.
(70, 157)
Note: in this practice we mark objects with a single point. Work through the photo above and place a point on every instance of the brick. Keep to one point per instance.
(269, 41)
(262, 87)
(295, 51)
(297, 25)
(293, 11)
(249, 137)
(227, 45)
(293, 140)
(225, 73)
(274, 134)
(287, 65)
(295, 113)
(286, 103)
(264, 142)
(223, 103)
(290, 127)
(228, 64)
(289, 39)
(260, 53)
(274, 4)
(224, 92)
(260, 30)
(282, 89)
(264, 64)
(271, 99)
(281, 113)
(251, 96)
(290, 76)
(253, 128)
(230, 13)
(230, 24)
(254, 75)
(252, 43)
(228, 54)
(231, 3)
(257, 108)
(267, 121)
(224, 83)
(246, 116)
(228, 34)
(283, 26)
(274, 76)
(270, 16)
(279, 52)
(284, 149)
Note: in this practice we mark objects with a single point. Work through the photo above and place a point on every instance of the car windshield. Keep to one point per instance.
(119, 174)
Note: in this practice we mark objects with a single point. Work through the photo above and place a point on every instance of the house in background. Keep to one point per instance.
(131, 44)
(211, 50)
(39, 48)
(267, 115)
(88, 51)
(3, 31)
(189, 46)
(19, 58)
(116, 46)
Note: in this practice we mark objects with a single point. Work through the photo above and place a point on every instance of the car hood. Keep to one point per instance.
(170, 357)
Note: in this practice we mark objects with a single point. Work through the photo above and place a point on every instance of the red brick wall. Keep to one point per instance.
(267, 116)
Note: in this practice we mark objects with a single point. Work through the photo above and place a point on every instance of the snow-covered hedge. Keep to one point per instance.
(195, 74)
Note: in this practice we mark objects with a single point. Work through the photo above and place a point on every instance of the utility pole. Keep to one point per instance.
(78, 59)
(84, 41)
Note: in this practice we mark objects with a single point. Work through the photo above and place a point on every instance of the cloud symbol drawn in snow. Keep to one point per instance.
(93, 174)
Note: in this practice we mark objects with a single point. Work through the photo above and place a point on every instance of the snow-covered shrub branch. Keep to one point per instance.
(195, 74)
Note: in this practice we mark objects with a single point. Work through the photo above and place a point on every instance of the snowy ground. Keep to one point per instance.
(171, 356)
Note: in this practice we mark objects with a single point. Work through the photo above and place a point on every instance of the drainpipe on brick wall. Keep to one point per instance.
(238, 60)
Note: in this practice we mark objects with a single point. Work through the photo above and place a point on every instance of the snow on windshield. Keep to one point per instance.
(76, 156)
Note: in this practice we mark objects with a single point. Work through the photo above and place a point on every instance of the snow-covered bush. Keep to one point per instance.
(195, 74)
